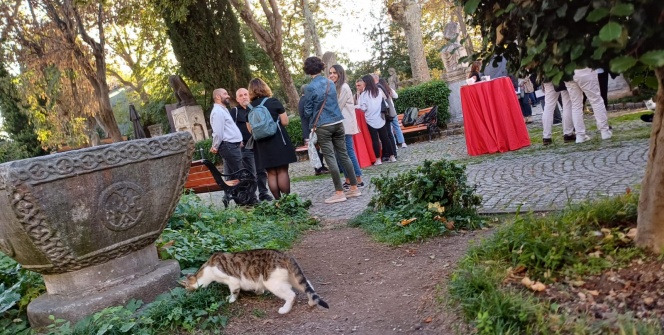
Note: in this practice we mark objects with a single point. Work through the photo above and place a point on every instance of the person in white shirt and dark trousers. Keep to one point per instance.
(226, 136)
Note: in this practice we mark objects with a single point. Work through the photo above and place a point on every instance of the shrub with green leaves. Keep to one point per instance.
(294, 129)
(205, 146)
(433, 93)
(196, 231)
(583, 239)
(430, 200)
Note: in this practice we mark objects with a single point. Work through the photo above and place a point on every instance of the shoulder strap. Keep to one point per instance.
(327, 89)
(262, 102)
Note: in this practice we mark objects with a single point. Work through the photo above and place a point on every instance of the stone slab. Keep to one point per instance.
(76, 307)
(455, 101)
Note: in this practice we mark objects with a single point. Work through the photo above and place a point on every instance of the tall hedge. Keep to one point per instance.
(207, 43)
(426, 95)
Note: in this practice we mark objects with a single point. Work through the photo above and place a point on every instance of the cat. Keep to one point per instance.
(255, 270)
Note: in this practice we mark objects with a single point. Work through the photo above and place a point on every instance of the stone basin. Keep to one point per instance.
(87, 221)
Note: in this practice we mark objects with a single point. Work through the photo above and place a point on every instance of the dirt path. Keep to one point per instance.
(371, 288)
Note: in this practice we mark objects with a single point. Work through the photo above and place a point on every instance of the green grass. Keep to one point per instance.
(552, 247)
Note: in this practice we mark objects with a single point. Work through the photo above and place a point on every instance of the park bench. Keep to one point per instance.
(205, 177)
(431, 127)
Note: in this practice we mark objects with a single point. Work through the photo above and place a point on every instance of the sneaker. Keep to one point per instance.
(606, 134)
(385, 159)
(346, 186)
(335, 198)
(378, 162)
(265, 197)
(353, 193)
(360, 185)
(547, 141)
(404, 145)
(393, 159)
(569, 138)
(582, 139)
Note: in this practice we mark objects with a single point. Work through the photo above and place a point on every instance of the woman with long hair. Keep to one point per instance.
(322, 109)
(272, 153)
(347, 106)
(394, 122)
(370, 103)
(475, 70)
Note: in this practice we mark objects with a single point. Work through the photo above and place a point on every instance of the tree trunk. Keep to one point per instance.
(270, 41)
(310, 30)
(650, 222)
(408, 14)
(464, 30)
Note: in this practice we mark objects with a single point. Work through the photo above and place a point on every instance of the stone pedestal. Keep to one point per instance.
(455, 101)
(191, 119)
(618, 88)
(155, 130)
(73, 295)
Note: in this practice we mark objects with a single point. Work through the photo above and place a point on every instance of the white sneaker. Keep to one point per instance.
(606, 134)
(392, 159)
(378, 161)
(404, 145)
(336, 198)
(583, 138)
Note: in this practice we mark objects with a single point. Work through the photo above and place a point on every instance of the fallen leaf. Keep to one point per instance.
(578, 282)
(407, 221)
(632, 233)
(527, 282)
(595, 254)
(538, 287)
(519, 269)
(440, 218)
(428, 320)
(594, 293)
(648, 301)
(449, 225)
(628, 191)
(581, 296)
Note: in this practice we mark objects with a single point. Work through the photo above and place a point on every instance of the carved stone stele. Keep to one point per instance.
(64, 213)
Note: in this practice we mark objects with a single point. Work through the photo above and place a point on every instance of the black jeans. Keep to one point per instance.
(261, 176)
(388, 149)
(231, 155)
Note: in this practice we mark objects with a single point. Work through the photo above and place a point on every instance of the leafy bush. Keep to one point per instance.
(11, 151)
(429, 200)
(583, 239)
(205, 146)
(294, 130)
(426, 95)
(195, 230)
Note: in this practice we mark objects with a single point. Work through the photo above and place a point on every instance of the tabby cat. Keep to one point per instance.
(255, 270)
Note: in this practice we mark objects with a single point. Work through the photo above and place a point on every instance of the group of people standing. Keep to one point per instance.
(327, 108)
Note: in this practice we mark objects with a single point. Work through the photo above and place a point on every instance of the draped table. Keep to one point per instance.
(492, 117)
(362, 142)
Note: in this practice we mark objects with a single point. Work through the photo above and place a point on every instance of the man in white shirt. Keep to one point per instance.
(226, 136)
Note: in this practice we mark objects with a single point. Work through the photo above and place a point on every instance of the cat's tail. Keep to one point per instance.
(299, 281)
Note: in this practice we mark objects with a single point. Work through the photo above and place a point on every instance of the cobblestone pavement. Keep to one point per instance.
(531, 177)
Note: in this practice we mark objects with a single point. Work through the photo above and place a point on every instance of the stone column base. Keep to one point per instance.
(73, 308)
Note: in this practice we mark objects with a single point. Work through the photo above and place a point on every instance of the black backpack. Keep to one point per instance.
(409, 116)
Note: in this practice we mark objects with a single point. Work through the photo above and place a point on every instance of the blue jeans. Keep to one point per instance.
(397, 131)
(353, 158)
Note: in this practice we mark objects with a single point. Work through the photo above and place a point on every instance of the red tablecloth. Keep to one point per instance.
(362, 142)
(492, 117)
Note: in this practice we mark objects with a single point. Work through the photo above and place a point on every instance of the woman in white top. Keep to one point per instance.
(369, 102)
(394, 123)
(345, 99)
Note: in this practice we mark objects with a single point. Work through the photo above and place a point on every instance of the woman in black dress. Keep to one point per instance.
(273, 153)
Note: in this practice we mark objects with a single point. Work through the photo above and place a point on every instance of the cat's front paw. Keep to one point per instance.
(284, 309)
(232, 299)
(260, 292)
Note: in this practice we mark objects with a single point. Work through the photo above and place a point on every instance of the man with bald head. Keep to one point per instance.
(239, 115)
(226, 136)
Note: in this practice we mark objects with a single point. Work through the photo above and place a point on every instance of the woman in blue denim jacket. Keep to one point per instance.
(329, 128)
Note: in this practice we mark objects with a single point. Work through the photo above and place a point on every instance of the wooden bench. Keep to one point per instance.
(431, 128)
(204, 177)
